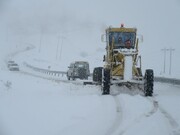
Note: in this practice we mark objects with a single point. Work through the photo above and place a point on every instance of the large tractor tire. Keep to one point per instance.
(97, 74)
(148, 82)
(106, 82)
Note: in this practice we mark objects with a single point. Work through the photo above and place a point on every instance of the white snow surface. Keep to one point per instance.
(35, 104)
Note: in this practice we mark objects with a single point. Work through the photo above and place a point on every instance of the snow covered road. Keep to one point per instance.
(35, 106)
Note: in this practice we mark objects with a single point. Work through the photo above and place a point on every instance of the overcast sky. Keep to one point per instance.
(51, 14)
(157, 20)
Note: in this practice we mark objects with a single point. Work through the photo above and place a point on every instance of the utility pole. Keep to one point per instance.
(40, 42)
(57, 47)
(58, 43)
(41, 37)
(7, 34)
(164, 68)
(170, 63)
(61, 47)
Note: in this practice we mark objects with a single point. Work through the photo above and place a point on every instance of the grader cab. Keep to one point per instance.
(122, 62)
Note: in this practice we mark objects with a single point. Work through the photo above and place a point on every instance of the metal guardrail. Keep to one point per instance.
(61, 73)
(45, 71)
(167, 80)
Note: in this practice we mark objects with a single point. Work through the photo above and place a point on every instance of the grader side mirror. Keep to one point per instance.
(103, 38)
(140, 38)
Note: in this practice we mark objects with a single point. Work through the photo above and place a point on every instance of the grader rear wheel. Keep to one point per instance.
(106, 82)
(97, 74)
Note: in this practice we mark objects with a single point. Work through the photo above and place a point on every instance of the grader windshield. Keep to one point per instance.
(121, 40)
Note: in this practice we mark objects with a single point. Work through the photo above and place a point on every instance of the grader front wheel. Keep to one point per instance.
(148, 82)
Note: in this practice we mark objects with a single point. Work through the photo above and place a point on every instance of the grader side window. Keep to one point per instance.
(122, 39)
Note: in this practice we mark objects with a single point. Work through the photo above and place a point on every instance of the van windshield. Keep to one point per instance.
(80, 65)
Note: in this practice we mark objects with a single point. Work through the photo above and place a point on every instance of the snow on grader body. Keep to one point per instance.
(122, 63)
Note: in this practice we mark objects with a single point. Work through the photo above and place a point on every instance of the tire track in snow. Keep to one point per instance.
(118, 118)
(115, 129)
(174, 125)
(140, 118)
(154, 109)
(116, 126)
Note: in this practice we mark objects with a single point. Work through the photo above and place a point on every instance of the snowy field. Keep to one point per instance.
(36, 104)
(32, 105)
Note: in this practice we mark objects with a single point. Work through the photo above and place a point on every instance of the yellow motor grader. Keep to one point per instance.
(122, 62)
